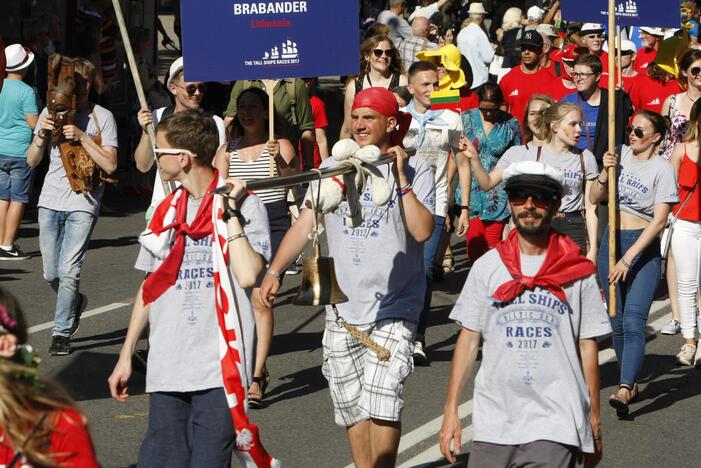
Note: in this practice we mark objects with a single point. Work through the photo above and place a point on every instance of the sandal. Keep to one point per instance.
(448, 263)
(255, 399)
(621, 404)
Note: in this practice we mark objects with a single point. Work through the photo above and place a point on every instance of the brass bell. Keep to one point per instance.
(319, 285)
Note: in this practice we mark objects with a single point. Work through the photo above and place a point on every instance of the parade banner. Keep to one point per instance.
(628, 12)
(248, 40)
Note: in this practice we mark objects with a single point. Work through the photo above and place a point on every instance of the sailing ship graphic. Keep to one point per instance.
(288, 48)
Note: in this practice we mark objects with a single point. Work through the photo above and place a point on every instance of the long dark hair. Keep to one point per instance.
(235, 129)
(396, 65)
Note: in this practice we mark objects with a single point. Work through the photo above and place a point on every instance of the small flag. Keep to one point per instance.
(446, 99)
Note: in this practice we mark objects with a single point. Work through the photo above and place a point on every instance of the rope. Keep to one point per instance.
(382, 353)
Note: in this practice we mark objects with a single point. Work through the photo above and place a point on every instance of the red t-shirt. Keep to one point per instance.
(70, 438)
(559, 90)
(518, 87)
(320, 121)
(649, 94)
(629, 82)
(643, 58)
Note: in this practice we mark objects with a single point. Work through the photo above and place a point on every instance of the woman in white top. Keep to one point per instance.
(248, 156)
(562, 127)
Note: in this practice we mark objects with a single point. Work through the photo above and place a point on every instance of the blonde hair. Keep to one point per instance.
(85, 68)
(554, 115)
(539, 123)
(512, 19)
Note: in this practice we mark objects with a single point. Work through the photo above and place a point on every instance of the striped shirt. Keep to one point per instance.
(254, 170)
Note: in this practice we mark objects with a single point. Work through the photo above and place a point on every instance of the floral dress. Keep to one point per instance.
(677, 129)
(490, 205)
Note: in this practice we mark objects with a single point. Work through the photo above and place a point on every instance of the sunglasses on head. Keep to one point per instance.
(191, 89)
(378, 52)
(541, 200)
(637, 131)
(695, 71)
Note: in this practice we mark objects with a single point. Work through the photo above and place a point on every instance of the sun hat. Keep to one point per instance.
(18, 57)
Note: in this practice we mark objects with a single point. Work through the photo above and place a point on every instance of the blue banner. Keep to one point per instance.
(247, 40)
(652, 13)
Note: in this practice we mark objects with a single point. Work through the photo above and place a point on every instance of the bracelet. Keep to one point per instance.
(274, 273)
(602, 183)
(404, 192)
(625, 264)
(235, 236)
(464, 207)
(597, 437)
(407, 186)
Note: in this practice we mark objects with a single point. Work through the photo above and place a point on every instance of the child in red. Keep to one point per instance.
(321, 147)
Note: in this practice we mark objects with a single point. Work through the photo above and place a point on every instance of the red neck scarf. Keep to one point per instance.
(166, 275)
(563, 264)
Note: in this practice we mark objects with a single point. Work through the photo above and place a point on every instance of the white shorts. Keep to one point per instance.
(362, 386)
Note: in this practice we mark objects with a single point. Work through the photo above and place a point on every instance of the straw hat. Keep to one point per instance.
(476, 9)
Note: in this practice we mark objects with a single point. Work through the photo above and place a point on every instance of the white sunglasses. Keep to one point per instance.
(172, 152)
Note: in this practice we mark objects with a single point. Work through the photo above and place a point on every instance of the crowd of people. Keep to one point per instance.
(507, 96)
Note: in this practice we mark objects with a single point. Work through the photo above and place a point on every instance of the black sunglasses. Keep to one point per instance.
(378, 52)
(540, 200)
(695, 71)
(486, 110)
(191, 89)
(637, 131)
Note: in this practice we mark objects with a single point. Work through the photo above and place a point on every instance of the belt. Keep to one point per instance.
(568, 215)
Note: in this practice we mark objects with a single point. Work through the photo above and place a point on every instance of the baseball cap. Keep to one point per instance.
(535, 13)
(626, 46)
(546, 29)
(591, 28)
(532, 37)
(17, 57)
(533, 174)
(175, 67)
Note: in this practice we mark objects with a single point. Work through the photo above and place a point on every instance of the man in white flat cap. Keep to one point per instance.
(593, 36)
(651, 38)
(536, 397)
(18, 117)
(474, 45)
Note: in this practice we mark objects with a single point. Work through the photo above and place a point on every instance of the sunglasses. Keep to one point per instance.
(378, 52)
(193, 88)
(540, 200)
(172, 152)
(486, 110)
(594, 36)
(637, 131)
(695, 71)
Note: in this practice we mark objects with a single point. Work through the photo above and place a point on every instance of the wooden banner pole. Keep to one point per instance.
(619, 53)
(270, 89)
(137, 79)
(612, 148)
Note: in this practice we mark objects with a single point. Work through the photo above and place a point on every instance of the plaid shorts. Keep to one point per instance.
(361, 385)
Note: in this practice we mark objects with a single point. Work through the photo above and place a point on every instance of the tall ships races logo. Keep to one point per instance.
(626, 9)
(283, 53)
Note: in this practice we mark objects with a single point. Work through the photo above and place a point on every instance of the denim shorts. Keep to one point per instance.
(15, 179)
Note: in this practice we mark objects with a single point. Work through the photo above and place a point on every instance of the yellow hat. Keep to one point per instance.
(449, 56)
(670, 54)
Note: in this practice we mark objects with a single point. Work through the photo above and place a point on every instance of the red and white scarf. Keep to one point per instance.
(168, 224)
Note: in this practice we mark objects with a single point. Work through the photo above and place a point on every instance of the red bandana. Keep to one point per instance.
(563, 264)
(165, 276)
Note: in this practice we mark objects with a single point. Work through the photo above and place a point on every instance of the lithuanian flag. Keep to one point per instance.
(446, 99)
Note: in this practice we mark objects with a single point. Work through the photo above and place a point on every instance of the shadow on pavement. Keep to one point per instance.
(4, 272)
(117, 242)
(297, 384)
(85, 377)
(297, 341)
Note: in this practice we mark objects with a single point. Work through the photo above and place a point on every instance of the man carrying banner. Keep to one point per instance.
(536, 302)
(379, 266)
(200, 253)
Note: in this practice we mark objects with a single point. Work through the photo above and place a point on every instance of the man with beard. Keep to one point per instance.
(536, 398)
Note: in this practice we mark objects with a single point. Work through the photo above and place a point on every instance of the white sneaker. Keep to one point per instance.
(671, 328)
(419, 354)
(686, 356)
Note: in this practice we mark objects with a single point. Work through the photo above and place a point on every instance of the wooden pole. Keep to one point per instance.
(612, 148)
(137, 80)
(270, 89)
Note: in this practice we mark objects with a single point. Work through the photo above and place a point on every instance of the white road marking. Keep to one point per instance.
(431, 429)
(86, 314)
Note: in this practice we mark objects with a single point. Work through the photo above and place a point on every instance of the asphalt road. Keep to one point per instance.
(297, 426)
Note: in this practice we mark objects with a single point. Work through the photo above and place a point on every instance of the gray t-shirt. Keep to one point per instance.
(183, 337)
(56, 194)
(378, 264)
(643, 183)
(569, 164)
(530, 385)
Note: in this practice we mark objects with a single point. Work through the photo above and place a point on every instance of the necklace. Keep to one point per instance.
(690, 99)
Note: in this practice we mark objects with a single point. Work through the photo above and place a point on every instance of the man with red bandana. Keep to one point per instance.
(379, 266)
(536, 302)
